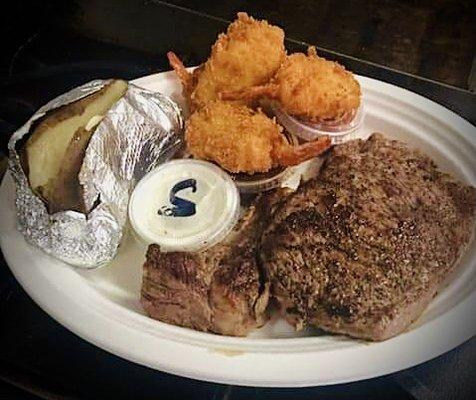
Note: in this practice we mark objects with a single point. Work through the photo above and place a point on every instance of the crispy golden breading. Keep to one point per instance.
(308, 87)
(240, 139)
(248, 54)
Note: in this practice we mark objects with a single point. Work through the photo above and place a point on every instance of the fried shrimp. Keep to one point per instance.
(248, 54)
(240, 139)
(308, 87)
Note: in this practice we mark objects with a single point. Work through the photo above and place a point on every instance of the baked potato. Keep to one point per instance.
(55, 150)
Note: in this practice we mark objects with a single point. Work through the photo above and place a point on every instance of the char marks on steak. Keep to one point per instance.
(221, 289)
(362, 249)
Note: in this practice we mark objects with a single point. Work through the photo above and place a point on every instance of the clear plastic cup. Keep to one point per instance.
(342, 130)
(262, 182)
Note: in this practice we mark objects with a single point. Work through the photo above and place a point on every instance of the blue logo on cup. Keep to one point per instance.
(180, 207)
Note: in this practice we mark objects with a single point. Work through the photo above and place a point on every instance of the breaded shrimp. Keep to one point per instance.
(248, 54)
(308, 87)
(240, 139)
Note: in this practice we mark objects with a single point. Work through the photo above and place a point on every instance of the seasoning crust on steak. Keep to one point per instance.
(363, 248)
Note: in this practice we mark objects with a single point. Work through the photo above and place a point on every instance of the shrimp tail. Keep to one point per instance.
(186, 78)
(270, 90)
(287, 155)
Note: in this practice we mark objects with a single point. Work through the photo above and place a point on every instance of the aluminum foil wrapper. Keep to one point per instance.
(142, 130)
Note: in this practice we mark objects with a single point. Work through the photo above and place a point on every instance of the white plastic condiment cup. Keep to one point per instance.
(184, 205)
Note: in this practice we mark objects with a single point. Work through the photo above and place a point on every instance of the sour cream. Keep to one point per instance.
(184, 205)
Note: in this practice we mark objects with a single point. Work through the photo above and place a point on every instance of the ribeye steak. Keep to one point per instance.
(363, 248)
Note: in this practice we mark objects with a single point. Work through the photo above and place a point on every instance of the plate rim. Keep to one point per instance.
(220, 376)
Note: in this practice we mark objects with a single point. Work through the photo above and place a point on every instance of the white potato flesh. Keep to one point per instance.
(47, 146)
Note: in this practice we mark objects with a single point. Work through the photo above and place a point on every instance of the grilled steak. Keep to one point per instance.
(362, 249)
(219, 290)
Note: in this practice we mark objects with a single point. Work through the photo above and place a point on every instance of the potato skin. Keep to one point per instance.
(63, 113)
(66, 192)
(53, 153)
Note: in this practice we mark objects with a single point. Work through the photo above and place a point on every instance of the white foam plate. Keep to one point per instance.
(102, 306)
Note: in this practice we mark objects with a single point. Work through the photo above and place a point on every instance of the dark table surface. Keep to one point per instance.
(51, 46)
